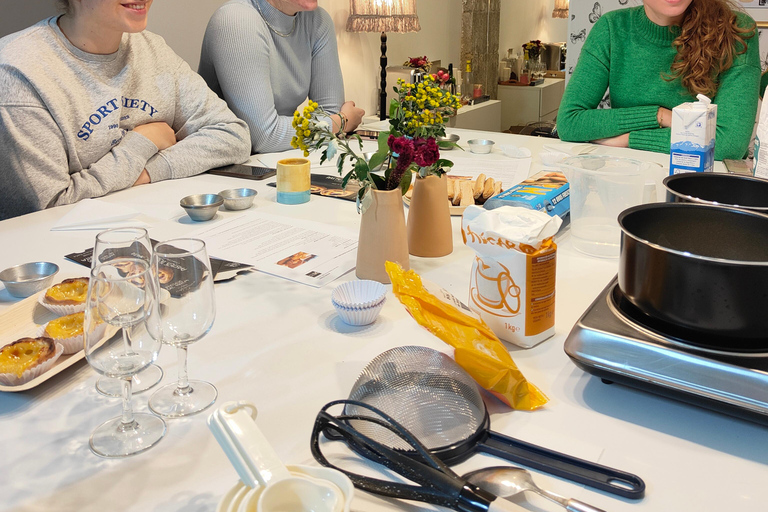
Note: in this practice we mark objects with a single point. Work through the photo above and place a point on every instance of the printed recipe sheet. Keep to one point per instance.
(303, 251)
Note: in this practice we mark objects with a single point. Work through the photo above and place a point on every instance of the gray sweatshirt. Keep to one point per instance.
(66, 118)
(265, 67)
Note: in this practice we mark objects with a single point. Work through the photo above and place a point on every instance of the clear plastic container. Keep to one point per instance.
(601, 187)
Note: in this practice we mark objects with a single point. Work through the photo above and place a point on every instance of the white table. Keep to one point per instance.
(280, 345)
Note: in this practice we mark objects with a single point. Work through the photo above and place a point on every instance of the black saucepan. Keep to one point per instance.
(701, 268)
(718, 188)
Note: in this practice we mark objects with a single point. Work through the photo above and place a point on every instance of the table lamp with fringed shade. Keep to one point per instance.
(383, 16)
(561, 9)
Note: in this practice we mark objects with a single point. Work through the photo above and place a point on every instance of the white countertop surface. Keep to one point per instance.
(280, 345)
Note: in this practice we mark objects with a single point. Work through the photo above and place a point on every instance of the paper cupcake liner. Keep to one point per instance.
(359, 294)
(359, 316)
(359, 307)
(59, 309)
(73, 343)
(10, 379)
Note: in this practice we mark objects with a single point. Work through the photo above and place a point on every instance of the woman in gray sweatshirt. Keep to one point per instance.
(91, 103)
(265, 57)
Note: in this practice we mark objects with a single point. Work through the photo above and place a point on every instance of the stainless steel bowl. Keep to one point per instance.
(480, 146)
(24, 280)
(238, 198)
(201, 207)
(450, 137)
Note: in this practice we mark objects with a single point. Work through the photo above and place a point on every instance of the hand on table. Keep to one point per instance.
(143, 178)
(354, 115)
(160, 133)
(620, 141)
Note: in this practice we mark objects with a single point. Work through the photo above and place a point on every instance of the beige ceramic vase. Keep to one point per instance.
(382, 236)
(429, 218)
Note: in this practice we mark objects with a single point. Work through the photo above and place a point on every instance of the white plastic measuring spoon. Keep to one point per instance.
(257, 464)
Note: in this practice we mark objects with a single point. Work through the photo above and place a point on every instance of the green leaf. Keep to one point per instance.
(393, 106)
(382, 142)
(405, 182)
(340, 163)
(346, 179)
(377, 159)
(361, 169)
(445, 144)
(441, 162)
(378, 182)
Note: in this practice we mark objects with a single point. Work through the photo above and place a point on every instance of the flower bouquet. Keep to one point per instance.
(418, 62)
(417, 117)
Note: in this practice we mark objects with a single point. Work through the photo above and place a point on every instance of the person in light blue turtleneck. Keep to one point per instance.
(265, 57)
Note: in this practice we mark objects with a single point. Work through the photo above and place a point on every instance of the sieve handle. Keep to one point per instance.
(565, 466)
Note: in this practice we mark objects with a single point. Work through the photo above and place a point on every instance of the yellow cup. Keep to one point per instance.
(293, 182)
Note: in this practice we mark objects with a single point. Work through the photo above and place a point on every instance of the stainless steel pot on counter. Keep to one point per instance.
(700, 269)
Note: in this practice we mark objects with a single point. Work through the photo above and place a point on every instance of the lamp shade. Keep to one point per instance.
(561, 9)
(383, 16)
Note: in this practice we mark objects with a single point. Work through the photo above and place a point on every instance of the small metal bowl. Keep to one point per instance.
(450, 137)
(480, 146)
(238, 198)
(201, 207)
(24, 280)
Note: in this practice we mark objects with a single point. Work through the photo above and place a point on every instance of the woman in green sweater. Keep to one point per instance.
(655, 57)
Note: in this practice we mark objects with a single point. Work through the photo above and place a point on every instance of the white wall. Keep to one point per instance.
(439, 39)
(523, 21)
(182, 24)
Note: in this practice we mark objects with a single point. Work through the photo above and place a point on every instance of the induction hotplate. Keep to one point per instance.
(615, 343)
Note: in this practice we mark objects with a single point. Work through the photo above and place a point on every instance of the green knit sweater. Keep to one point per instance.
(629, 52)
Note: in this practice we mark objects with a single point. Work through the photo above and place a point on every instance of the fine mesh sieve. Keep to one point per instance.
(432, 397)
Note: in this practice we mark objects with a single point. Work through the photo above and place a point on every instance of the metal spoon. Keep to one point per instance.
(507, 481)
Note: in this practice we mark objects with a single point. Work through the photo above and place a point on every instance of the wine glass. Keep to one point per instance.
(110, 244)
(182, 268)
(122, 301)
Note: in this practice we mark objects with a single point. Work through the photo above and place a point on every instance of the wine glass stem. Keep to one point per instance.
(183, 384)
(127, 407)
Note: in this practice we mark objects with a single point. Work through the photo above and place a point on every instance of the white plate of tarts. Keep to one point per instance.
(42, 335)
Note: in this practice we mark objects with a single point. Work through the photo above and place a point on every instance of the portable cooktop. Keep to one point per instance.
(616, 342)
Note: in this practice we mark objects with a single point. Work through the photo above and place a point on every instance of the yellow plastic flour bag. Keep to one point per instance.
(477, 349)
(512, 282)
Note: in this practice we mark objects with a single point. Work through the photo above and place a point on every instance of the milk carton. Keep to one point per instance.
(692, 147)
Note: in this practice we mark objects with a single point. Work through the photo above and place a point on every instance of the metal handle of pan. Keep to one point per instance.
(565, 466)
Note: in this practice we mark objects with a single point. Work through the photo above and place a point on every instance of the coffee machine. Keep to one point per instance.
(554, 56)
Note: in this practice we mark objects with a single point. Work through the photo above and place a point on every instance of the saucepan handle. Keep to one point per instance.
(565, 466)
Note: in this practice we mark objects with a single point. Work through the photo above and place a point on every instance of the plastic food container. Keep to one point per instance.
(601, 187)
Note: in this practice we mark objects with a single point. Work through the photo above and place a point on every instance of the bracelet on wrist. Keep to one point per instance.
(342, 123)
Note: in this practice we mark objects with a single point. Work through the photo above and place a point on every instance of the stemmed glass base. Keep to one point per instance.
(115, 439)
(174, 402)
(142, 381)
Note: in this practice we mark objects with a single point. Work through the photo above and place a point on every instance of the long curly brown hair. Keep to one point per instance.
(709, 41)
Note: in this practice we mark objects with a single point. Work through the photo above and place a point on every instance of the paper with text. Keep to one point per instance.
(307, 252)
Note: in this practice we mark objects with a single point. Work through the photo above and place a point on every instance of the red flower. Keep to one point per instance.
(402, 146)
(427, 152)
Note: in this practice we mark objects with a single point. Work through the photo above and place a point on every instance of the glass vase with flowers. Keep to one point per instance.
(417, 118)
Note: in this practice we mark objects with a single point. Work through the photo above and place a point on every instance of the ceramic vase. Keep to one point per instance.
(429, 218)
(383, 236)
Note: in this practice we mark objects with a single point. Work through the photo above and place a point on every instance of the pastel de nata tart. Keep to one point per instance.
(67, 297)
(27, 358)
(68, 331)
